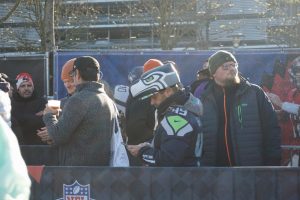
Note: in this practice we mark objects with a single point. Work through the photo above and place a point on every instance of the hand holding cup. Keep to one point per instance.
(53, 107)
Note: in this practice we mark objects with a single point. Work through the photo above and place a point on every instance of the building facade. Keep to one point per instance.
(153, 24)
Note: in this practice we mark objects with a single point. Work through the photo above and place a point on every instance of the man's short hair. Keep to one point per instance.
(88, 67)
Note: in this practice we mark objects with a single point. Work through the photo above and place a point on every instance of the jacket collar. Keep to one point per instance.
(91, 86)
(178, 98)
(244, 85)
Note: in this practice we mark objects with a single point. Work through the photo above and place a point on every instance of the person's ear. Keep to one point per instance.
(78, 74)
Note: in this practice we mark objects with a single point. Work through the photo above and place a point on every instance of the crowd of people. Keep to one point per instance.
(221, 120)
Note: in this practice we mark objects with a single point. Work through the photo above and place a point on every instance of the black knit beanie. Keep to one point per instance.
(218, 59)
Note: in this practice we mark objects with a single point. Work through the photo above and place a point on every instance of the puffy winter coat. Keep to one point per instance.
(254, 130)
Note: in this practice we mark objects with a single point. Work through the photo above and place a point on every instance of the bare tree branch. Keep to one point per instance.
(3, 19)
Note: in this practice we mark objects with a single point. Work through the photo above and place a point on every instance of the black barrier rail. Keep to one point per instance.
(39, 154)
(72, 183)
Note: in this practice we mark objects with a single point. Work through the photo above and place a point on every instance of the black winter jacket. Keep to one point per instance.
(25, 122)
(254, 130)
(139, 120)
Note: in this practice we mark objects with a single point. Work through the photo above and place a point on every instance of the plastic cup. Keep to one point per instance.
(54, 103)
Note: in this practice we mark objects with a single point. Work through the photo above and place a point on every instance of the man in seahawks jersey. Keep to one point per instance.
(178, 135)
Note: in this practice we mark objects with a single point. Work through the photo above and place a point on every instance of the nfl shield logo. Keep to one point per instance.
(76, 191)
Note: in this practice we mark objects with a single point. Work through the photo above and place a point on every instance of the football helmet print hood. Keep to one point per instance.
(155, 80)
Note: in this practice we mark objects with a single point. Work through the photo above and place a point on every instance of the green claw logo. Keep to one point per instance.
(149, 79)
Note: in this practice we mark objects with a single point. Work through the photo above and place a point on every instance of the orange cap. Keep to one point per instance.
(66, 69)
(152, 63)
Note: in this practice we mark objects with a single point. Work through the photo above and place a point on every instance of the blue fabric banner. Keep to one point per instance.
(115, 65)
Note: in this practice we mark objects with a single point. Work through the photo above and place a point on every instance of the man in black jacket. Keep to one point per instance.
(140, 113)
(240, 127)
(27, 111)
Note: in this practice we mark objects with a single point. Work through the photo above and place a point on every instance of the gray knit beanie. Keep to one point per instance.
(218, 59)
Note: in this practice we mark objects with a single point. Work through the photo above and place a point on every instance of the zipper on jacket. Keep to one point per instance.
(240, 116)
(225, 131)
